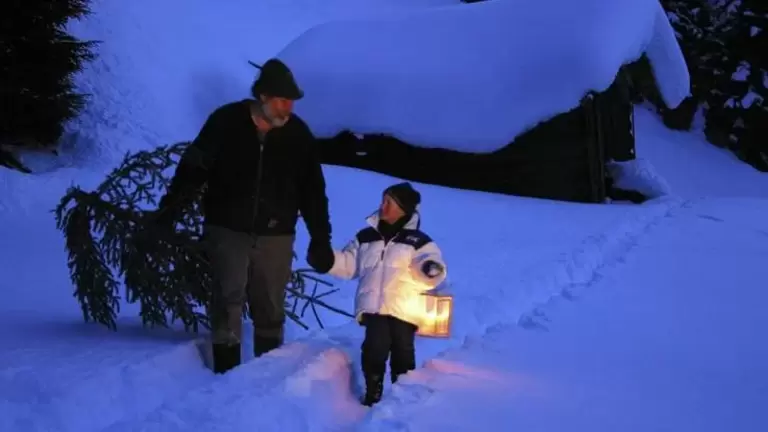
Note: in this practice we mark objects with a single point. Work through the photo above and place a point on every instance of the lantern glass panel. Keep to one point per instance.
(436, 321)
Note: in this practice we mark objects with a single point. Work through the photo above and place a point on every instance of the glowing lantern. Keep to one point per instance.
(436, 315)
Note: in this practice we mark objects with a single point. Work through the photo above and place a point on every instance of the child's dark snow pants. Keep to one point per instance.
(387, 336)
(246, 268)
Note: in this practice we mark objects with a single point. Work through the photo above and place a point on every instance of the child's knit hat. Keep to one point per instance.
(405, 196)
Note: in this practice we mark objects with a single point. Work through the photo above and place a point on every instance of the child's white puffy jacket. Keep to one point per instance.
(391, 276)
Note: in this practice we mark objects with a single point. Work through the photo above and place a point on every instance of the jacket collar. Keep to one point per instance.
(412, 224)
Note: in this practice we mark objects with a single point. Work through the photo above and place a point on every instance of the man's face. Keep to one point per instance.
(389, 211)
(279, 109)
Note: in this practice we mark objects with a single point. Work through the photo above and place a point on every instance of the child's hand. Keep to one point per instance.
(432, 269)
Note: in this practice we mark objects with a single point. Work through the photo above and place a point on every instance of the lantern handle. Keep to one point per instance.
(443, 288)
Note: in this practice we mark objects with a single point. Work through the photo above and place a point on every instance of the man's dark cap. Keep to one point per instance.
(276, 80)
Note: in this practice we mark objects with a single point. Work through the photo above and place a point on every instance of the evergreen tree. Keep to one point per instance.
(737, 117)
(724, 44)
(166, 272)
(700, 27)
(37, 62)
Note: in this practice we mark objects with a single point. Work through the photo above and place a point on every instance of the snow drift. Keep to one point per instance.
(472, 77)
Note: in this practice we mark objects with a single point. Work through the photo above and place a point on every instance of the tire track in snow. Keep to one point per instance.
(572, 273)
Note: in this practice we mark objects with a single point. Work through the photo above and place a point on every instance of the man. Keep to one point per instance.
(261, 170)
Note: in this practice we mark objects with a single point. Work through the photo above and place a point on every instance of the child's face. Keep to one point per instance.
(389, 211)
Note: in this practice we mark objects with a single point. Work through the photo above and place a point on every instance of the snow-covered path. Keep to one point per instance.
(135, 378)
(154, 381)
(644, 278)
(314, 382)
(616, 353)
(52, 364)
(670, 340)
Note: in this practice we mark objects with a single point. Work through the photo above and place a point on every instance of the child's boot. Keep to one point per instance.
(374, 386)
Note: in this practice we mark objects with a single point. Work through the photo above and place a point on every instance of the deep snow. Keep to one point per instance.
(670, 340)
(675, 279)
(543, 249)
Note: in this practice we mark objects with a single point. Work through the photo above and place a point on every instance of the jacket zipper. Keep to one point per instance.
(381, 263)
(386, 243)
(258, 183)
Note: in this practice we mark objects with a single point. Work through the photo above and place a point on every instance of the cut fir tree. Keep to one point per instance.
(109, 236)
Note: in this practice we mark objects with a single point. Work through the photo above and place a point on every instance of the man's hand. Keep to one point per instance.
(320, 256)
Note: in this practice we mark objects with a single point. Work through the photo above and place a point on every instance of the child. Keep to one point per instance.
(395, 263)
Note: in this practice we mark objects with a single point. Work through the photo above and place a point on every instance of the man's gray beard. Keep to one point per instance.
(263, 112)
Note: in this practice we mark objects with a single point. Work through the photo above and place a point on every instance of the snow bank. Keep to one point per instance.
(106, 384)
(292, 388)
(471, 77)
(639, 175)
(158, 74)
(685, 164)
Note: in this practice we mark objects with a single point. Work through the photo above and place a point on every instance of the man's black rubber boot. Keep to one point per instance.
(263, 345)
(225, 357)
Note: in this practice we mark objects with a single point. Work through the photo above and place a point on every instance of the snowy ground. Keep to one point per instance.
(668, 340)
(568, 316)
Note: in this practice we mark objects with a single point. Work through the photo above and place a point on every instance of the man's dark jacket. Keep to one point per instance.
(282, 173)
